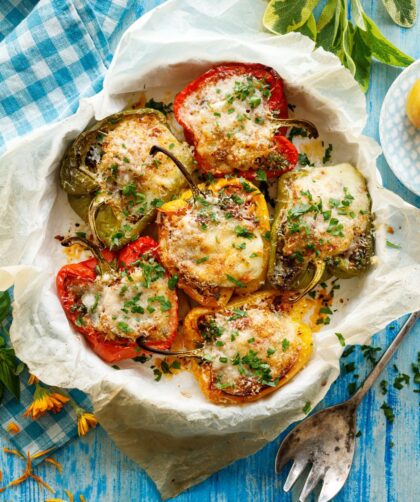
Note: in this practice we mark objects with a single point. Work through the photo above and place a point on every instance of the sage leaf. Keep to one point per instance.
(362, 57)
(402, 12)
(382, 49)
(4, 305)
(357, 13)
(347, 40)
(8, 366)
(328, 28)
(282, 16)
(309, 28)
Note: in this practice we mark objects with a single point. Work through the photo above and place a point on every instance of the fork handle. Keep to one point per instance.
(383, 361)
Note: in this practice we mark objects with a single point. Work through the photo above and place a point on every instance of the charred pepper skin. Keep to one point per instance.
(86, 195)
(292, 274)
(86, 272)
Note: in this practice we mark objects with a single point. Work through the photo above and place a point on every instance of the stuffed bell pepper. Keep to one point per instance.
(112, 299)
(322, 226)
(111, 179)
(245, 350)
(235, 116)
(215, 239)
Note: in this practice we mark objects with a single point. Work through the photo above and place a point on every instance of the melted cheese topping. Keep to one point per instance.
(135, 181)
(232, 123)
(250, 347)
(216, 243)
(127, 306)
(328, 208)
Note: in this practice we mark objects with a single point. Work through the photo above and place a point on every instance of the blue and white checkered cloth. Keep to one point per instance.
(52, 53)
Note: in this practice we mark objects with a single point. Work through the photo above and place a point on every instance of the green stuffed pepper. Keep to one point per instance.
(323, 226)
(114, 183)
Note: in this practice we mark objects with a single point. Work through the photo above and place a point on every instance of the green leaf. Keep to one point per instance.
(309, 28)
(282, 16)
(362, 58)
(381, 48)
(402, 12)
(328, 13)
(8, 377)
(5, 305)
(347, 40)
(357, 13)
(328, 29)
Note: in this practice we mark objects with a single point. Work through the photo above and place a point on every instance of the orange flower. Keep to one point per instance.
(13, 428)
(45, 400)
(85, 422)
(32, 380)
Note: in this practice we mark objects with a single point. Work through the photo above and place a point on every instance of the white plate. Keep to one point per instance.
(400, 140)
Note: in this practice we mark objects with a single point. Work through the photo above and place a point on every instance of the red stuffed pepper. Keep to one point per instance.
(112, 299)
(235, 116)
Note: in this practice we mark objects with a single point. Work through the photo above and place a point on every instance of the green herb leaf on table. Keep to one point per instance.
(8, 371)
(5, 305)
(309, 28)
(10, 367)
(382, 49)
(402, 12)
(354, 43)
(282, 16)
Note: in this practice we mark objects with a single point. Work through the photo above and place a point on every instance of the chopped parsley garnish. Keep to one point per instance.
(157, 202)
(261, 175)
(243, 232)
(369, 353)
(389, 414)
(247, 187)
(152, 271)
(211, 330)
(391, 245)
(297, 131)
(124, 327)
(400, 380)
(327, 154)
(341, 339)
(349, 367)
(237, 314)
(384, 386)
(285, 344)
(158, 374)
(201, 260)
(164, 303)
(234, 281)
(173, 282)
(307, 408)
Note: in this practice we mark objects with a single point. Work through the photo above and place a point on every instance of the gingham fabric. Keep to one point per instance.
(57, 54)
(52, 53)
(50, 431)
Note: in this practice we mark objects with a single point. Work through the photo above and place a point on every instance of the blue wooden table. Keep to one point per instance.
(387, 459)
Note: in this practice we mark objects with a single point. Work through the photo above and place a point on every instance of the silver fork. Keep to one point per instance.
(326, 440)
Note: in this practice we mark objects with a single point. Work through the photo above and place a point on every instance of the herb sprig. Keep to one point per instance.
(10, 367)
(355, 40)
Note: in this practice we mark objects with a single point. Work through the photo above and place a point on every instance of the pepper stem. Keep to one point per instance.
(194, 188)
(96, 203)
(179, 353)
(304, 124)
(104, 266)
(319, 271)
